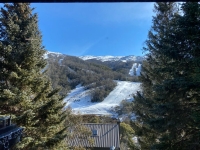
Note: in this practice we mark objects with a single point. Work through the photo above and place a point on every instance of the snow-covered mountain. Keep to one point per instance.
(113, 58)
(93, 72)
(131, 63)
(134, 70)
(101, 58)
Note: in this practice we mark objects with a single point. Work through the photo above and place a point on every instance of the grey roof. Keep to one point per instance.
(108, 136)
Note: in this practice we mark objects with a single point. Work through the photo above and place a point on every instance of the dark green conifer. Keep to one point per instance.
(172, 99)
(148, 105)
(25, 92)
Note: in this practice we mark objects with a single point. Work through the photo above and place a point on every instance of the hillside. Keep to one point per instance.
(120, 64)
(79, 99)
(67, 72)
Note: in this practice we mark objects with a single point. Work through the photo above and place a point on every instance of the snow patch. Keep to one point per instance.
(135, 70)
(52, 53)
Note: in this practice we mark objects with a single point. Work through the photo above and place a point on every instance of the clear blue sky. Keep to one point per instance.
(117, 29)
(78, 29)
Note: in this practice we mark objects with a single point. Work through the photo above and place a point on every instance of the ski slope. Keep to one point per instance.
(137, 68)
(79, 99)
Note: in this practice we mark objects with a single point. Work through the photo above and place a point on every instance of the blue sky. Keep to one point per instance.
(118, 29)
(78, 29)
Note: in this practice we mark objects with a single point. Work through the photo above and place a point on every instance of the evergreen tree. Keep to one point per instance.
(148, 104)
(184, 86)
(126, 135)
(25, 92)
(169, 102)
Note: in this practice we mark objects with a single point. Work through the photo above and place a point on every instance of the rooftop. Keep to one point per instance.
(106, 136)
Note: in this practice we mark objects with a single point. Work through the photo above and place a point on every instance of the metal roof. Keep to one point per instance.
(108, 136)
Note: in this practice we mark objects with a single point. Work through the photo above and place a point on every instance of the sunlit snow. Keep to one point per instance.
(79, 99)
(52, 53)
(113, 58)
(137, 70)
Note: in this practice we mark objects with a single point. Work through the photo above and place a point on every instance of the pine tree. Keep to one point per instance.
(169, 103)
(25, 92)
(185, 55)
(143, 104)
(149, 105)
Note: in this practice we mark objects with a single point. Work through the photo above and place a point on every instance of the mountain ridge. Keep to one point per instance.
(113, 58)
(100, 58)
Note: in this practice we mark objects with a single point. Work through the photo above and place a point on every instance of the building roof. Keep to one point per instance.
(107, 136)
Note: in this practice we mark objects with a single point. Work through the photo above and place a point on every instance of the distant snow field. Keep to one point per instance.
(79, 99)
(113, 58)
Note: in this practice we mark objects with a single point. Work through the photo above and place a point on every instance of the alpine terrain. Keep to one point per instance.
(95, 84)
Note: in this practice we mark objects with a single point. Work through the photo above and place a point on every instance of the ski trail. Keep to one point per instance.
(80, 100)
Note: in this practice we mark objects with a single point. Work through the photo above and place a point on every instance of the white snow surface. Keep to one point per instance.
(52, 53)
(137, 68)
(113, 58)
(102, 58)
(79, 99)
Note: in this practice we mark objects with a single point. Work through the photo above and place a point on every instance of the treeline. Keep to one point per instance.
(168, 108)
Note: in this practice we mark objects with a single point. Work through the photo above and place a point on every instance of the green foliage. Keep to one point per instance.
(126, 107)
(126, 135)
(77, 130)
(97, 119)
(25, 92)
(170, 80)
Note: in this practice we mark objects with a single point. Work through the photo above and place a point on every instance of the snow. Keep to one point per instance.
(102, 58)
(113, 58)
(137, 68)
(135, 139)
(53, 53)
(79, 99)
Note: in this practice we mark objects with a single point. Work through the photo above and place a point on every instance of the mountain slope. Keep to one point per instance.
(79, 99)
(67, 72)
(127, 65)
